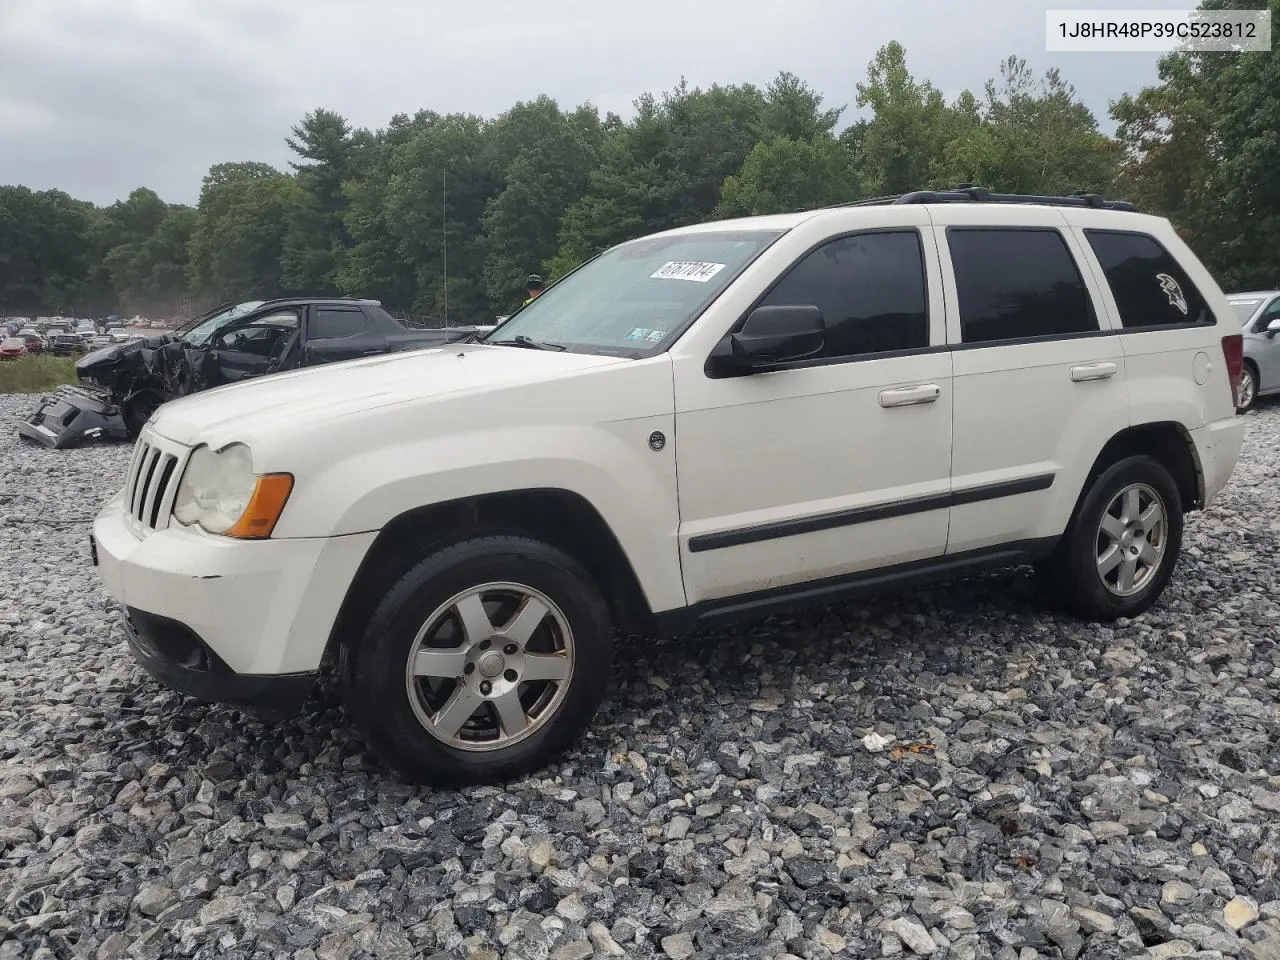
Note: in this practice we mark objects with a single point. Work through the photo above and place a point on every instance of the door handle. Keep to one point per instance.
(905, 396)
(1094, 371)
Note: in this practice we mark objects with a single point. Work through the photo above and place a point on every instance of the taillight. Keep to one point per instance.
(1233, 354)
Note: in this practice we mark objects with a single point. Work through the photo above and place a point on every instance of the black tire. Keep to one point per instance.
(137, 411)
(1250, 370)
(1072, 571)
(373, 671)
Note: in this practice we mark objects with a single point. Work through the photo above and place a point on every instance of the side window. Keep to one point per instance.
(1149, 287)
(335, 323)
(1264, 319)
(264, 335)
(1017, 284)
(870, 288)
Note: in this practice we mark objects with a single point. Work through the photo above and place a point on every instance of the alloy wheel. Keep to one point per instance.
(1131, 540)
(490, 666)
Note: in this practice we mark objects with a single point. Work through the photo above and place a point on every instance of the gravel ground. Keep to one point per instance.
(951, 773)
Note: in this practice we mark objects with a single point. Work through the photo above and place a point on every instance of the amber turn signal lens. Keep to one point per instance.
(265, 506)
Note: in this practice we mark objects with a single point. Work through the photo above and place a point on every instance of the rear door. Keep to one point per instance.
(1039, 373)
(340, 332)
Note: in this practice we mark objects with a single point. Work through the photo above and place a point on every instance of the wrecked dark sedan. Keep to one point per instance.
(120, 386)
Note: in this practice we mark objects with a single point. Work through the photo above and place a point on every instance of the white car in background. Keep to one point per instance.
(1259, 312)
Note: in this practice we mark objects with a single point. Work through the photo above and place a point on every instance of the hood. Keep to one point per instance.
(302, 398)
(96, 364)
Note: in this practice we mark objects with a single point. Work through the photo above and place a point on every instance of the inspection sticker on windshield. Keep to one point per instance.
(644, 333)
(695, 270)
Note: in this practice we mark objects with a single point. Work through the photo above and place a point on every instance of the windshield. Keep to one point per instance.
(198, 334)
(633, 300)
(1245, 308)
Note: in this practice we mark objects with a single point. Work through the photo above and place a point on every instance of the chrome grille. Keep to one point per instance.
(152, 482)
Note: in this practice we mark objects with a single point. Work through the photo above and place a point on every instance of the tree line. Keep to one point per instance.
(540, 189)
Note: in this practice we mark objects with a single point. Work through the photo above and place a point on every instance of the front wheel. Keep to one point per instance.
(137, 411)
(1248, 388)
(483, 662)
(1120, 549)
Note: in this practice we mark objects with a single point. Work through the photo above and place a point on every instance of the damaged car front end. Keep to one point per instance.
(120, 386)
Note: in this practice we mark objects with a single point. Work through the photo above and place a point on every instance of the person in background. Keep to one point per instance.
(533, 287)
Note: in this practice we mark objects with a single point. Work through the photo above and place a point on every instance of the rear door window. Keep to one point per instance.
(337, 323)
(1017, 285)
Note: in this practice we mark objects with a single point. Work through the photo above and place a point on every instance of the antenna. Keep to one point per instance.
(444, 235)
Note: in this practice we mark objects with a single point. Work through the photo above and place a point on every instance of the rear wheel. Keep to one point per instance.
(482, 662)
(1120, 549)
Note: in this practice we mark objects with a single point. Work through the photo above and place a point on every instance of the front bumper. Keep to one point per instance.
(66, 417)
(176, 656)
(259, 609)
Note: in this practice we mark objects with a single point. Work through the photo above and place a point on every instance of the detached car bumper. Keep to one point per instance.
(65, 418)
(241, 622)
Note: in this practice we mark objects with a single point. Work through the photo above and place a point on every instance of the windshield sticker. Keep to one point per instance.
(644, 333)
(696, 270)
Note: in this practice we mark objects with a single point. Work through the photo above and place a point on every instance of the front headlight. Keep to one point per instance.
(220, 492)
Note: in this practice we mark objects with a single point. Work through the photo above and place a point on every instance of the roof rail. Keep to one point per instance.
(967, 193)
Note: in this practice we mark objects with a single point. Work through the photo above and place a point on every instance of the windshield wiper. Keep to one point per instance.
(520, 340)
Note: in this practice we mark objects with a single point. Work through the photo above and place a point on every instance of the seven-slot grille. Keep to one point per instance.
(153, 479)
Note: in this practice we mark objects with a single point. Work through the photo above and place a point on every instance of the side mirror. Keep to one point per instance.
(1273, 327)
(772, 335)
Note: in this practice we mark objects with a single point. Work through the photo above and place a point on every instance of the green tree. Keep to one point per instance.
(783, 175)
(664, 169)
(547, 173)
(1202, 147)
(373, 265)
(44, 250)
(1029, 137)
(238, 240)
(902, 144)
(316, 239)
(435, 200)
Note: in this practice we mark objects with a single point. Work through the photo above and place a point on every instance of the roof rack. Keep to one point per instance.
(967, 193)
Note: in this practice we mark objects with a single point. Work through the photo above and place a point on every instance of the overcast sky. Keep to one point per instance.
(100, 96)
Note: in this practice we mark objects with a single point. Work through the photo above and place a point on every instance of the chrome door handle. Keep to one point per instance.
(905, 396)
(1094, 371)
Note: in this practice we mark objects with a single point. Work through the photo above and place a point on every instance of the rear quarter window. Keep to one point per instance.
(1149, 287)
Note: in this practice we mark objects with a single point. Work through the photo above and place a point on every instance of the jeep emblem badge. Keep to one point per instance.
(656, 440)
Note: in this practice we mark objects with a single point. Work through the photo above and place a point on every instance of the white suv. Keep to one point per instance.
(709, 423)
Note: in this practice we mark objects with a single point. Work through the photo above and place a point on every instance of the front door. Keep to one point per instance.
(251, 347)
(827, 466)
(341, 332)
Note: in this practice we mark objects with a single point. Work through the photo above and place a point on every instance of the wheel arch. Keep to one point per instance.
(560, 517)
(1167, 442)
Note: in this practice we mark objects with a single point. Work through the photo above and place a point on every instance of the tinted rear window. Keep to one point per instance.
(1017, 284)
(336, 323)
(1149, 287)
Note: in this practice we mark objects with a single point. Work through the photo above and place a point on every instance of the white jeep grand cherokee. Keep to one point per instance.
(705, 424)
